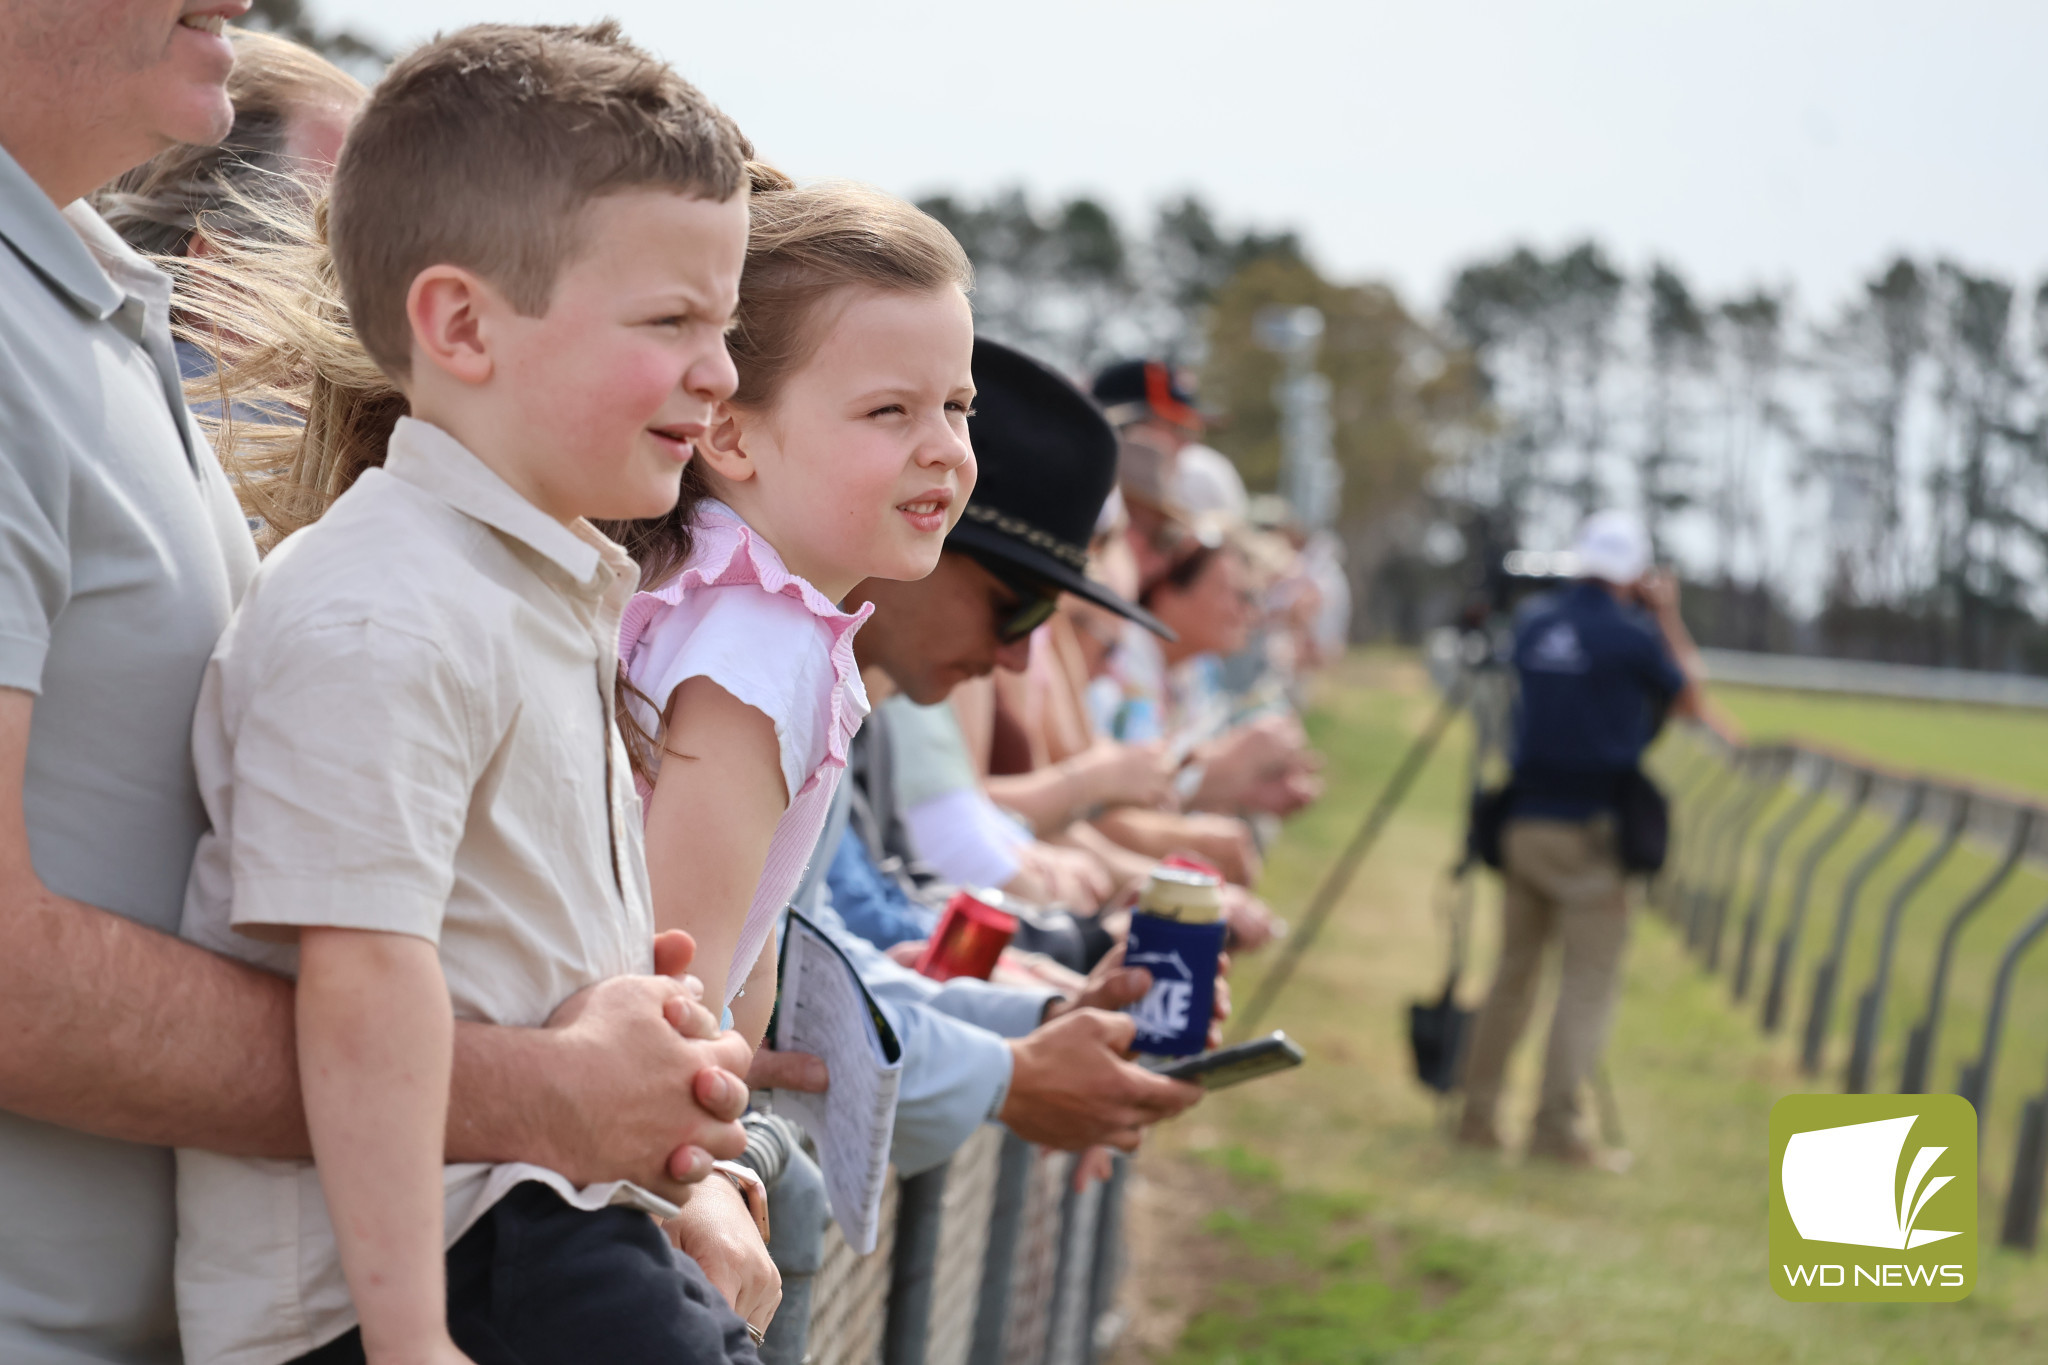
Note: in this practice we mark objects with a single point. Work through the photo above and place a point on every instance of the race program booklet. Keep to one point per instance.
(822, 1008)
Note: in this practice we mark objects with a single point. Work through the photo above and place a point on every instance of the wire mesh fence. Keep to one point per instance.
(995, 1258)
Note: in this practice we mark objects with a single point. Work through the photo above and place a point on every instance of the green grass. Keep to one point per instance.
(1321, 1279)
(1347, 1229)
(1996, 745)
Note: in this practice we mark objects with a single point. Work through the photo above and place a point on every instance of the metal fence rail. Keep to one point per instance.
(1723, 798)
(1807, 674)
(994, 1258)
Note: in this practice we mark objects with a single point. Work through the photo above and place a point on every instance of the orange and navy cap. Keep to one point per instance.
(1132, 390)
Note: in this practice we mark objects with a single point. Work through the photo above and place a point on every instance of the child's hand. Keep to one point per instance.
(1097, 1163)
(717, 1232)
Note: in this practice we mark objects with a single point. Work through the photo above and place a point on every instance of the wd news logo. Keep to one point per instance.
(1874, 1198)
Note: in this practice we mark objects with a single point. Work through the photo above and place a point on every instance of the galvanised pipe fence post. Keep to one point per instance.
(1109, 1251)
(1740, 795)
(1691, 765)
(1705, 801)
(1767, 871)
(920, 1209)
(1870, 1005)
(1921, 1041)
(1700, 874)
(1718, 897)
(1974, 1084)
(2022, 1224)
(1829, 971)
(1070, 1339)
(797, 1214)
(1006, 1228)
(1788, 937)
(1690, 781)
(1688, 773)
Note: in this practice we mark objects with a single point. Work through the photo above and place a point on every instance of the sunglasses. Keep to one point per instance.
(1023, 601)
(1024, 613)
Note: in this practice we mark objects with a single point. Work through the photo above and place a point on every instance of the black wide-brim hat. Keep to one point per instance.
(1047, 460)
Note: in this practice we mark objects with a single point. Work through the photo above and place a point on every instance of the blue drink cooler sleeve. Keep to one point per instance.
(1173, 1018)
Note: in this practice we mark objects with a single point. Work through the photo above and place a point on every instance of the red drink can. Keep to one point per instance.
(972, 933)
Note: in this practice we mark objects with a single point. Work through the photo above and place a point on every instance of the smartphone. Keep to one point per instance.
(1231, 1065)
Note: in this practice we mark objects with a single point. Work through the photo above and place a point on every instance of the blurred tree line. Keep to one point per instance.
(1869, 483)
(1872, 483)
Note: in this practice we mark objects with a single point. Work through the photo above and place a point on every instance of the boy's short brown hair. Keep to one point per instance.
(482, 149)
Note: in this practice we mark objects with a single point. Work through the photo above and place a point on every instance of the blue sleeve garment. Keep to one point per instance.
(1660, 674)
(871, 904)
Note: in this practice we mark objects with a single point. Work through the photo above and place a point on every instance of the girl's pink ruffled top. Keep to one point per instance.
(736, 615)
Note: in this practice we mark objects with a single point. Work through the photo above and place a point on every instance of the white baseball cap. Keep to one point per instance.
(1613, 545)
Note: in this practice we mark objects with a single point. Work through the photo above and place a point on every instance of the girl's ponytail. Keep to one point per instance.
(297, 408)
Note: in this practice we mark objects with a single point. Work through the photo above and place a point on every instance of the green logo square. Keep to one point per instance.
(1873, 1198)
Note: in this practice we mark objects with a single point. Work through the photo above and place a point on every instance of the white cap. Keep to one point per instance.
(1612, 545)
(1206, 481)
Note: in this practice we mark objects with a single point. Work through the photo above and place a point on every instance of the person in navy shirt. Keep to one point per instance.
(1600, 666)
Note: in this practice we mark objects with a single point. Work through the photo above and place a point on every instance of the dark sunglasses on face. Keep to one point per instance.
(1021, 601)
(1022, 614)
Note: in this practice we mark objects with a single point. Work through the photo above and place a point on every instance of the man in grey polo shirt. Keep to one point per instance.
(122, 553)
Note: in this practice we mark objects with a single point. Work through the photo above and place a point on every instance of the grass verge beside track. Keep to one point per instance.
(1997, 746)
(1320, 1217)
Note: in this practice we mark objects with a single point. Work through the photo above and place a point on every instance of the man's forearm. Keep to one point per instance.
(1679, 641)
(115, 1029)
(1127, 865)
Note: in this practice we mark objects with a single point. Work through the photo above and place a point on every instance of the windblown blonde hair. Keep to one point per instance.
(297, 408)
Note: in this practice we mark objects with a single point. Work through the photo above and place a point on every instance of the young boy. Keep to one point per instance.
(405, 739)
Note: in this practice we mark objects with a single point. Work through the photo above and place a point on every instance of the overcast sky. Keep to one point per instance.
(1750, 143)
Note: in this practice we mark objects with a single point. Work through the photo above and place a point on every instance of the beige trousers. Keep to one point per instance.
(1564, 882)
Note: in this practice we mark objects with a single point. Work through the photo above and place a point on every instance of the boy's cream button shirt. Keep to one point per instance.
(407, 727)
